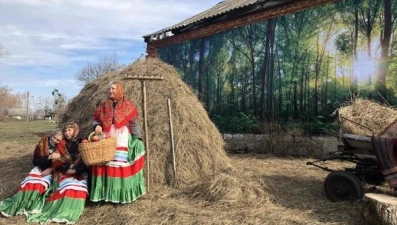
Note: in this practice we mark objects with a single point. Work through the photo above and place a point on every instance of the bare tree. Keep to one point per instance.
(8, 99)
(104, 65)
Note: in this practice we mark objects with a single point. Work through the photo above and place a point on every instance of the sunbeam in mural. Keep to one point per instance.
(364, 68)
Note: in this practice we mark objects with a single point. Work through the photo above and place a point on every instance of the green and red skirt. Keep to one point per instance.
(31, 196)
(67, 203)
(121, 180)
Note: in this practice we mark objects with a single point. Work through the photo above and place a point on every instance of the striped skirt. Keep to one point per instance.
(121, 180)
(31, 196)
(67, 203)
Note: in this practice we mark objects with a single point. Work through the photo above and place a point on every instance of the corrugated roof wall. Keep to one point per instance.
(218, 10)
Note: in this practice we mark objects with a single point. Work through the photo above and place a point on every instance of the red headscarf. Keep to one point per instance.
(42, 148)
(123, 113)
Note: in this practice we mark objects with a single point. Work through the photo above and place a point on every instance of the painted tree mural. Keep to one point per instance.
(297, 66)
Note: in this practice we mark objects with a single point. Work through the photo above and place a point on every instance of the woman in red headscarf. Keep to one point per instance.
(66, 203)
(36, 187)
(120, 180)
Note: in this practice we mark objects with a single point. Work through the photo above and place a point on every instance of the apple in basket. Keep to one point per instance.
(84, 141)
(94, 138)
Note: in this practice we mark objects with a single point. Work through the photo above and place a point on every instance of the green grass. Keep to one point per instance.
(23, 131)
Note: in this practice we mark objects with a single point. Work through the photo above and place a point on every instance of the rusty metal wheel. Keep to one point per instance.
(343, 186)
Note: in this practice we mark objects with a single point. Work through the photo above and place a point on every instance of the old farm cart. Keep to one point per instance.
(347, 184)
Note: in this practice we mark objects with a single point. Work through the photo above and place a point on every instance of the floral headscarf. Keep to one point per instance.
(44, 144)
(123, 112)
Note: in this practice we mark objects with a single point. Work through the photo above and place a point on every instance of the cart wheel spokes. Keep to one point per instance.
(343, 186)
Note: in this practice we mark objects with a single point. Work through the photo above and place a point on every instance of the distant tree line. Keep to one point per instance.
(9, 100)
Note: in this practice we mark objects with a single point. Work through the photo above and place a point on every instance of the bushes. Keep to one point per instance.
(239, 123)
(245, 123)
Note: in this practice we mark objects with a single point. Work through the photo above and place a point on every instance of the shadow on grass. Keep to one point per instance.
(12, 171)
(298, 187)
(308, 195)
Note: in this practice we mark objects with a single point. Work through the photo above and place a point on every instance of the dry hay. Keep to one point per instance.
(295, 189)
(232, 188)
(200, 154)
(366, 117)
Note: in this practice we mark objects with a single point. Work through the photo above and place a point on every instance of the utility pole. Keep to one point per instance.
(27, 108)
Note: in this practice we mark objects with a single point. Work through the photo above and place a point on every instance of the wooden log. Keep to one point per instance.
(172, 138)
(379, 209)
(146, 137)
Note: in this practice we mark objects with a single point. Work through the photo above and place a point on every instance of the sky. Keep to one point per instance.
(49, 41)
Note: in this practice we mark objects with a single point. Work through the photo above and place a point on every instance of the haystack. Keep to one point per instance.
(200, 154)
(366, 117)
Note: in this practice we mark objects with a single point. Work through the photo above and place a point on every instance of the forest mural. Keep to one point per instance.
(296, 68)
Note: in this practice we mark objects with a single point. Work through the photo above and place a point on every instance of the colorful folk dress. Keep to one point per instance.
(121, 180)
(66, 203)
(35, 188)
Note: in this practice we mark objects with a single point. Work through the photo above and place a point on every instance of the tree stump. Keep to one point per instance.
(379, 209)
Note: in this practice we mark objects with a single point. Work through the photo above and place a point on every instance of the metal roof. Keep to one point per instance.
(219, 10)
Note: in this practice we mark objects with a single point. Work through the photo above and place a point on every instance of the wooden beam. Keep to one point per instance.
(287, 8)
(143, 78)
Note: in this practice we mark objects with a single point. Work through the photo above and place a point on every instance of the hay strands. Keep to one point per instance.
(143, 78)
(344, 118)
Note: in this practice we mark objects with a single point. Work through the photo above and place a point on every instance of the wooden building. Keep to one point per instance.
(17, 113)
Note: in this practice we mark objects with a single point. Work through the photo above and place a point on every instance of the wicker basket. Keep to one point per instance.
(100, 152)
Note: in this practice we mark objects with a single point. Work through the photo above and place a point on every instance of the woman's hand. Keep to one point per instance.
(54, 156)
(98, 129)
(46, 172)
(71, 171)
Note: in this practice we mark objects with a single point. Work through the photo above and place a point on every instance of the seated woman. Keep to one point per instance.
(66, 203)
(122, 179)
(36, 187)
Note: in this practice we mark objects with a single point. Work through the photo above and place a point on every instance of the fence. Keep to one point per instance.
(282, 145)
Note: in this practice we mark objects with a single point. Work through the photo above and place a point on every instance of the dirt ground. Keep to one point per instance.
(295, 191)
